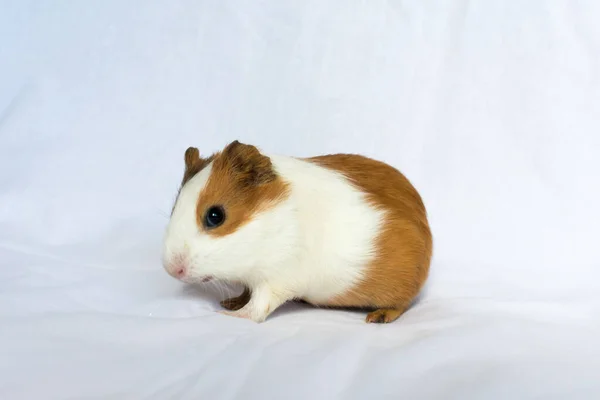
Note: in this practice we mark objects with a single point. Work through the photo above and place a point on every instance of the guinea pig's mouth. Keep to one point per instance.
(203, 279)
(197, 279)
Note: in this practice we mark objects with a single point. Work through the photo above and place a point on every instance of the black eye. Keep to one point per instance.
(214, 217)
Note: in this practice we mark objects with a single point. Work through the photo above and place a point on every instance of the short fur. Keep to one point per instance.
(404, 244)
(335, 230)
(242, 181)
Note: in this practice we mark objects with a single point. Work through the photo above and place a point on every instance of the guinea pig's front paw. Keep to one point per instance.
(261, 304)
(235, 313)
(236, 303)
(243, 313)
(233, 304)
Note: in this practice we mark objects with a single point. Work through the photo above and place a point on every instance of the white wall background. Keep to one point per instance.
(492, 109)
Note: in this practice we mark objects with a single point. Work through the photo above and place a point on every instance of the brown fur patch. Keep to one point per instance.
(236, 303)
(194, 163)
(243, 182)
(404, 246)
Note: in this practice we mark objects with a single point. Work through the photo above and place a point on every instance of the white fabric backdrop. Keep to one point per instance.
(492, 109)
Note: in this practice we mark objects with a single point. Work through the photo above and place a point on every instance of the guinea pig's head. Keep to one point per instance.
(229, 216)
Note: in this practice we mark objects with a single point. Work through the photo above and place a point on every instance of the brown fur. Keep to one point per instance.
(404, 246)
(235, 303)
(242, 181)
(194, 163)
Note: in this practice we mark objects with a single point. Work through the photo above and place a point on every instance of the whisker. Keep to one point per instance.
(217, 288)
(221, 290)
(162, 213)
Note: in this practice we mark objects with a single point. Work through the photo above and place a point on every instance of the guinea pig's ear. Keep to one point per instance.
(192, 156)
(250, 166)
(193, 164)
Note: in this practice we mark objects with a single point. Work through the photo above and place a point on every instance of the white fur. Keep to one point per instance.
(315, 245)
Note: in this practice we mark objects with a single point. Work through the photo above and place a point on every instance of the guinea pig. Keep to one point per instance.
(341, 231)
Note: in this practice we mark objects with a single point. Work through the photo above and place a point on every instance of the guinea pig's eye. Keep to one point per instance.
(214, 217)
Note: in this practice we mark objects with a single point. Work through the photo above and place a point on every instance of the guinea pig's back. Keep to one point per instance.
(403, 245)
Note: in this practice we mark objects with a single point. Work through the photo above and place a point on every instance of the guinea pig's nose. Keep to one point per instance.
(177, 267)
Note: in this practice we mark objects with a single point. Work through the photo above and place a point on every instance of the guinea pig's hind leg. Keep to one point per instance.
(385, 315)
(235, 303)
(264, 300)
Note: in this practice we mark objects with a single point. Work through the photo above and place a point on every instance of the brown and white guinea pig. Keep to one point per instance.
(335, 230)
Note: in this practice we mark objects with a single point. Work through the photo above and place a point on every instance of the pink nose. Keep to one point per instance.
(177, 267)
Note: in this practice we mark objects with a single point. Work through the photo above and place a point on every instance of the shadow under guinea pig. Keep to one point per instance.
(214, 292)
